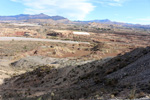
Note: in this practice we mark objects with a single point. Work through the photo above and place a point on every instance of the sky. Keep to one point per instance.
(129, 11)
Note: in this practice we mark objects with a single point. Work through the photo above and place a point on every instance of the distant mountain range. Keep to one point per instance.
(43, 18)
(97, 21)
(27, 16)
(107, 21)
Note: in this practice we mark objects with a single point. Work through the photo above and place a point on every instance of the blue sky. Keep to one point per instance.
(131, 11)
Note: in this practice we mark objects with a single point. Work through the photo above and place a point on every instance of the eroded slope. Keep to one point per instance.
(108, 78)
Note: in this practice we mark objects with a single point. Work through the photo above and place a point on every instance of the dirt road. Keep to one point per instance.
(38, 39)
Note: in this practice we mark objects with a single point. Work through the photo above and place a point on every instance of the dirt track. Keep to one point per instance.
(38, 39)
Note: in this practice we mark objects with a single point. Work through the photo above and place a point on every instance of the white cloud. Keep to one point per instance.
(145, 19)
(110, 2)
(115, 4)
(72, 9)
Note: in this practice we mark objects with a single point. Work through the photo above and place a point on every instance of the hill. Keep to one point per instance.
(125, 76)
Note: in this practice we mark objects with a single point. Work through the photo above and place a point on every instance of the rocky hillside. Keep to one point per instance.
(125, 76)
(27, 16)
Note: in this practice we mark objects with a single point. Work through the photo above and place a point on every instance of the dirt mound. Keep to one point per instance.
(104, 79)
(35, 61)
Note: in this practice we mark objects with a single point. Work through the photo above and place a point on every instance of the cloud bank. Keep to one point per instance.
(72, 9)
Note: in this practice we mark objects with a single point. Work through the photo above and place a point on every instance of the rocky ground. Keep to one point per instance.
(125, 76)
(107, 66)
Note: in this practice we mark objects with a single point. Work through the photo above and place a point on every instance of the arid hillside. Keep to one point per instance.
(125, 76)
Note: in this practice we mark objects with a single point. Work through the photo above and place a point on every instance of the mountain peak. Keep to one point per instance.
(42, 14)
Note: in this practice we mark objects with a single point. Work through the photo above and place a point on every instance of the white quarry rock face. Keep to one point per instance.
(81, 33)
